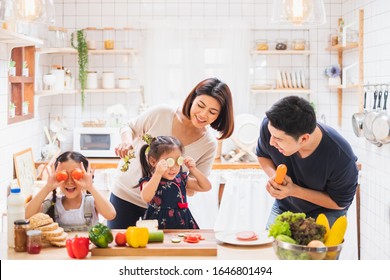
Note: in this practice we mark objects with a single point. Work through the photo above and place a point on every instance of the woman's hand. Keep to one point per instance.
(123, 149)
(189, 162)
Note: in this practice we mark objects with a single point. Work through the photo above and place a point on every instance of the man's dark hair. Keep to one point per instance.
(293, 115)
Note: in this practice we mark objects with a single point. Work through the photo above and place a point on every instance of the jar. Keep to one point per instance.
(109, 41)
(34, 244)
(281, 45)
(57, 37)
(20, 227)
(298, 44)
(92, 80)
(59, 72)
(129, 39)
(108, 80)
(334, 38)
(261, 45)
(91, 38)
(123, 83)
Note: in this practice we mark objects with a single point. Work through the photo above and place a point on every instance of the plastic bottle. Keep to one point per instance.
(15, 211)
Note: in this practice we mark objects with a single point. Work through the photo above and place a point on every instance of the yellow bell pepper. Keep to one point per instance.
(137, 236)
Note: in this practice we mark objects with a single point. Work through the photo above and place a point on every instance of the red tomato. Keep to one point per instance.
(192, 238)
(77, 174)
(61, 176)
(120, 239)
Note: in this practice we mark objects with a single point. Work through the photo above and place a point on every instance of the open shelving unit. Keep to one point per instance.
(340, 49)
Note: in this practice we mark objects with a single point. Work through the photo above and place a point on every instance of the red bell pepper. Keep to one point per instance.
(77, 247)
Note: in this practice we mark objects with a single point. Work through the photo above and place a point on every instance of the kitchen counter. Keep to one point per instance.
(224, 252)
(106, 163)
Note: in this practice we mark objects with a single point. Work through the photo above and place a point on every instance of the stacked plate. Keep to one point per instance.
(290, 79)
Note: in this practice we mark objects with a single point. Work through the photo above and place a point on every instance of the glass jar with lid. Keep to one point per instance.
(91, 38)
(261, 45)
(298, 44)
(34, 243)
(20, 227)
(57, 37)
(109, 38)
(129, 38)
(281, 44)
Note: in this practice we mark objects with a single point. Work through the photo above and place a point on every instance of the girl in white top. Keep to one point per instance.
(74, 210)
(208, 104)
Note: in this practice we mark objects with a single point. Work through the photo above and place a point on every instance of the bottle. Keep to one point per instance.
(15, 211)
(34, 244)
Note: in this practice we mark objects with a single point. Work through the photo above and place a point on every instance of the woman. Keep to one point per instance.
(209, 103)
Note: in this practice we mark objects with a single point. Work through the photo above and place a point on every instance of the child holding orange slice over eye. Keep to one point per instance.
(164, 185)
(77, 208)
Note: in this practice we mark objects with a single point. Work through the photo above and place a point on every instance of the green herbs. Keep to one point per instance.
(82, 51)
(126, 160)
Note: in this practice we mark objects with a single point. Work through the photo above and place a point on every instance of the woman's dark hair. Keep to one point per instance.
(158, 146)
(221, 92)
(69, 155)
(293, 115)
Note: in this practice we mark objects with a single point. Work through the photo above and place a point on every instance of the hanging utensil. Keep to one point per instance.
(367, 123)
(358, 118)
(381, 124)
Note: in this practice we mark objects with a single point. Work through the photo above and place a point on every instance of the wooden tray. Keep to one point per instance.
(207, 247)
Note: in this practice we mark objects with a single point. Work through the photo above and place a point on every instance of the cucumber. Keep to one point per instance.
(175, 240)
(285, 238)
(156, 236)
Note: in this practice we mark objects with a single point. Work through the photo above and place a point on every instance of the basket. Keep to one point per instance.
(97, 123)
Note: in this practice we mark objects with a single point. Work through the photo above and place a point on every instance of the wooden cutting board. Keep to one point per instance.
(206, 247)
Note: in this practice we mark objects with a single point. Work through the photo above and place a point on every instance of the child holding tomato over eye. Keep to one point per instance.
(78, 207)
(164, 185)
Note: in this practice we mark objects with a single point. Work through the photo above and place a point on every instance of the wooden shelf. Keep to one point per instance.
(349, 46)
(20, 79)
(284, 90)
(103, 90)
(43, 93)
(92, 52)
(16, 39)
(285, 52)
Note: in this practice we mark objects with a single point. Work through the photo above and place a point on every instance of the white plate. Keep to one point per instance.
(303, 82)
(246, 130)
(289, 79)
(293, 80)
(230, 238)
(298, 76)
(279, 79)
(284, 76)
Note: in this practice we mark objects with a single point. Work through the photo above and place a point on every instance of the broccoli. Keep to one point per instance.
(305, 230)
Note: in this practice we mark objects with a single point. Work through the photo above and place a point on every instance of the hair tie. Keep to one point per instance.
(148, 139)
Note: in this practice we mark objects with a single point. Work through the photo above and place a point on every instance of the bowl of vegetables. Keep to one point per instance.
(314, 251)
(299, 238)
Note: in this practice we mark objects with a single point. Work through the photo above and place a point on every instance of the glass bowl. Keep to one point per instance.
(288, 251)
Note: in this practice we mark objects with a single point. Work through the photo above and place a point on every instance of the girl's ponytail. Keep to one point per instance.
(50, 211)
(146, 170)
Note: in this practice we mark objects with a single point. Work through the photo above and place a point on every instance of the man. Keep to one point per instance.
(322, 175)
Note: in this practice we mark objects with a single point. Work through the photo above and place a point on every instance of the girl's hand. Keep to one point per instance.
(86, 182)
(52, 182)
(123, 149)
(161, 167)
(189, 162)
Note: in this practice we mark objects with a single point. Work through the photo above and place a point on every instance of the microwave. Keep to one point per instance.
(96, 141)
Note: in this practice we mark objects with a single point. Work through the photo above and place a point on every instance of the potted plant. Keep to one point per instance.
(12, 68)
(25, 107)
(333, 73)
(11, 109)
(25, 69)
(82, 51)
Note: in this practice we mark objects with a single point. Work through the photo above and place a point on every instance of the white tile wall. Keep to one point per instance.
(375, 190)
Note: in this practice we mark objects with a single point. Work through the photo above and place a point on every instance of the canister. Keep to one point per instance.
(91, 38)
(60, 77)
(123, 82)
(34, 243)
(109, 40)
(92, 80)
(108, 80)
(20, 227)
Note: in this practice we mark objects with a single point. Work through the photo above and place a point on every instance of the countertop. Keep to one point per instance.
(224, 252)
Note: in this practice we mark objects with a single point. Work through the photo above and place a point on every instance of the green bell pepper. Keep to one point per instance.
(100, 235)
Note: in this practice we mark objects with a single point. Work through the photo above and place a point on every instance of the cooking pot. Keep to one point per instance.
(381, 124)
(367, 123)
(358, 118)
